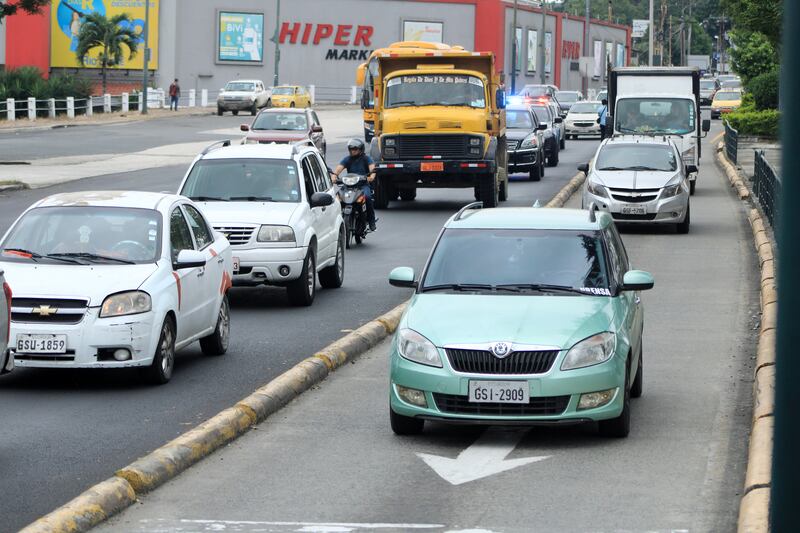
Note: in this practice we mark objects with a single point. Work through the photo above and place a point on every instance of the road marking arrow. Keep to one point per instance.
(485, 457)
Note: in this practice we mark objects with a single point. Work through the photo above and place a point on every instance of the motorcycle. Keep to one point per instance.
(354, 207)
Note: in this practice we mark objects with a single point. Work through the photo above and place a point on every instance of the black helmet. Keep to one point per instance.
(355, 143)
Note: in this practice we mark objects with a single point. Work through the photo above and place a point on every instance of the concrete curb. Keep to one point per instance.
(572, 186)
(754, 506)
(133, 116)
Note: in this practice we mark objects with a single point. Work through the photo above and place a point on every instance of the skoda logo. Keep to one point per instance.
(501, 349)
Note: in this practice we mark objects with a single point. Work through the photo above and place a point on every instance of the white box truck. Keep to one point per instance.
(660, 101)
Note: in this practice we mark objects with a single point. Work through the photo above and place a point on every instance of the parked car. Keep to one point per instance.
(520, 316)
(290, 96)
(275, 204)
(708, 87)
(6, 359)
(725, 101)
(537, 91)
(555, 110)
(640, 180)
(525, 137)
(731, 84)
(285, 126)
(113, 279)
(582, 120)
(551, 133)
(566, 99)
(242, 95)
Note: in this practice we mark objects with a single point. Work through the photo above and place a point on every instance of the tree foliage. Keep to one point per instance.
(29, 6)
(114, 41)
(764, 89)
(762, 16)
(752, 54)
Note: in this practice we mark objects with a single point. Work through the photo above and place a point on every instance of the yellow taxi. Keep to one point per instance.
(725, 101)
(290, 96)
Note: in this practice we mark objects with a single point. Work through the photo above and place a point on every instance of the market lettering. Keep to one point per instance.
(294, 32)
(571, 50)
(348, 55)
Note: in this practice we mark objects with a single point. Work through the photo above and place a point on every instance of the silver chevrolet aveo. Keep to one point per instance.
(639, 180)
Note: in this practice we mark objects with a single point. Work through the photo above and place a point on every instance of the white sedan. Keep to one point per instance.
(115, 279)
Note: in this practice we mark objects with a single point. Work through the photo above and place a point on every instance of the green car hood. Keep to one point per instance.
(526, 319)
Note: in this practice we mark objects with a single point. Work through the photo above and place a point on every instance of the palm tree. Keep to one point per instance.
(111, 35)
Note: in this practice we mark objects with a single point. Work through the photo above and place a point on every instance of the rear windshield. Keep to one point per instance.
(283, 90)
(240, 86)
(281, 121)
(567, 97)
(535, 90)
(641, 157)
(585, 107)
(728, 96)
(243, 180)
(707, 84)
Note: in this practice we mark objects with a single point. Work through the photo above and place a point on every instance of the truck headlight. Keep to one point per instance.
(126, 303)
(275, 234)
(474, 141)
(390, 141)
(414, 347)
(369, 126)
(390, 152)
(474, 151)
(592, 351)
(596, 189)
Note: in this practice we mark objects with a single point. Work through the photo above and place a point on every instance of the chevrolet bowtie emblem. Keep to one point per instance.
(44, 310)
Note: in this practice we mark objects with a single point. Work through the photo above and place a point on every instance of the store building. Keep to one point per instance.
(205, 43)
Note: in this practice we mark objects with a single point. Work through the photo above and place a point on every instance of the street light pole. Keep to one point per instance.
(276, 38)
(543, 75)
(514, 51)
(586, 45)
(143, 96)
(650, 37)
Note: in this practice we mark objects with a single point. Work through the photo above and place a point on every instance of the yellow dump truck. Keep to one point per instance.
(439, 121)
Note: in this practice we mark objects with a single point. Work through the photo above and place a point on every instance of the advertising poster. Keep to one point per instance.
(67, 16)
(609, 58)
(429, 32)
(598, 59)
(241, 37)
(518, 37)
(533, 46)
(639, 28)
(620, 55)
(548, 52)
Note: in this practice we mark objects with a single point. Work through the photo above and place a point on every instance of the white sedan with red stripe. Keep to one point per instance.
(112, 279)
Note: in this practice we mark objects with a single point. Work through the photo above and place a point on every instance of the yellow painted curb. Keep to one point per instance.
(753, 512)
(764, 392)
(759, 462)
(765, 355)
(731, 173)
(572, 186)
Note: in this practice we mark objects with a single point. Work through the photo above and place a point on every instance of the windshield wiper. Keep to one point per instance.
(542, 287)
(643, 167)
(612, 168)
(469, 287)
(21, 252)
(252, 198)
(208, 199)
(91, 256)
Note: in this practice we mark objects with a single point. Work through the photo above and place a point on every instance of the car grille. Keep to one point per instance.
(484, 362)
(620, 216)
(418, 146)
(538, 406)
(584, 124)
(65, 311)
(50, 358)
(634, 195)
(236, 235)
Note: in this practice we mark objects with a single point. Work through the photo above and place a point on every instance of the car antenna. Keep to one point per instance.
(473, 205)
(593, 209)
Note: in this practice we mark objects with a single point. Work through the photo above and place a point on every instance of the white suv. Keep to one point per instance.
(275, 204)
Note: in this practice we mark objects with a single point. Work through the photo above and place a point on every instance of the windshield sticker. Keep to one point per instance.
(394, 81)
(596, 291)
(475, 81)
(84, 232)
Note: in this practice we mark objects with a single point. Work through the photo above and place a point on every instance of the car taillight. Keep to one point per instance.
(7, 291)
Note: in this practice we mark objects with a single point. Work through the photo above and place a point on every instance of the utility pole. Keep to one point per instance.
(514, 51)
(544, 51)
(276, 38)
(586, 44)
(143, 96)
(689, 39)
(610, 15)
(669, 43)
(651, 30)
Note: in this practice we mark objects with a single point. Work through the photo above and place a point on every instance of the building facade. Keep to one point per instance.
(206, 43)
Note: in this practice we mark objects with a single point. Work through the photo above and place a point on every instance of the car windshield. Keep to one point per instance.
(637, 157)
(243, 180)
(84, 235)
(655, 115)
(585, 107)
(707, 84)
(435, 90)
(240, 86)
(542, 112)
(727, 96)
(518, 119)
(281, 121)
(567, 97)
(495, 259)
(283, 90)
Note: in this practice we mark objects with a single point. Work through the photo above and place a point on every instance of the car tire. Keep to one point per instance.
(692, 184)
(683, 227)
(487, 190)
(563, 144)
(269, 102)
(219, 111)
(160, 370)
(217, 342)
(253, 110)
(619, 427)
(291, 104)
(381, 199)
(552, 161)
(332, 277)
(405, 425)
(502, 191)
(302, 290)
(235, 112)
(638, 382)
(408, 195)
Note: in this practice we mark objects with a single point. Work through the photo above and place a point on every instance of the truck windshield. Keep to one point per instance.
(655, 115)
(435, 90)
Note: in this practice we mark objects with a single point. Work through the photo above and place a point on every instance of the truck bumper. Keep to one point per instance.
(447, 173)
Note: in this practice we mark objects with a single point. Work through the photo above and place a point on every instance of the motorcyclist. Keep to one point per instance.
(357, 162)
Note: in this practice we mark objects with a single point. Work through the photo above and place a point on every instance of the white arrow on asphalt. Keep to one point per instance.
(485, 457)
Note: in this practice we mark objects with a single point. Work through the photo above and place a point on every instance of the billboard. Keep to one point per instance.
(429, 32)
(639, 28)
(240, 37)
(548, 52)
(66, 19)
(533, 47)
(598, 59)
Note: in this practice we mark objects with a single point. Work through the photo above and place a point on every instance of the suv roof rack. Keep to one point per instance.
(463, 210)
(296, 145)
(215, 146)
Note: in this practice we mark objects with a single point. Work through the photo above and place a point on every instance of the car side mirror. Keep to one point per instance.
(637, 280)
(402, 277)
(244, 127)
(542, 126)
(706, 126)
(316, 128)
(584, 168)
(189, 259)
(691, 169)
(321, 199)
(558, 120)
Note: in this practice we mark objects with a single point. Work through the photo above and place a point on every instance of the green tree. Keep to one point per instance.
(752, 54)
(29, 6)
(98, 31)
(762, 16)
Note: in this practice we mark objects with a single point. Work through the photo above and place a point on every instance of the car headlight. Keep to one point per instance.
(275, 234)
(126, 303)
(592, 351)
(414, 347)
(673, 189)
(596, 189)
(529, 142)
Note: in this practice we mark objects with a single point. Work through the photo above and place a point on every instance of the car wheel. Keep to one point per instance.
(160, 370)
(333, 276)
(535, 174)
(235, 112)
(219, 111)
(619, 427)
(683, 227)
(487, 190)
(253, 110)
(381, 198)
(638, 381)
(552, 161)
(405, 425)
(502, 191)
(408, 195)
(291, 104)
(301, 291)
(269, 102)
(563, 144)
(692, 183)
(217, 342)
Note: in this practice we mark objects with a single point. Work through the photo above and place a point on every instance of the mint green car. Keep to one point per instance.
(520, 316)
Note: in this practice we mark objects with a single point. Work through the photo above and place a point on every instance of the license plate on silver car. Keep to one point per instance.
(235, 265)
(499, 392)
(634, 210)
(48, 344)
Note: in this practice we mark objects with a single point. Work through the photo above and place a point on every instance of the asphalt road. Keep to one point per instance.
(63, 431)
(329, 462)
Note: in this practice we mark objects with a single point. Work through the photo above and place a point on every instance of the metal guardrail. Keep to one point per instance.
(767, 187)
(731, 143)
